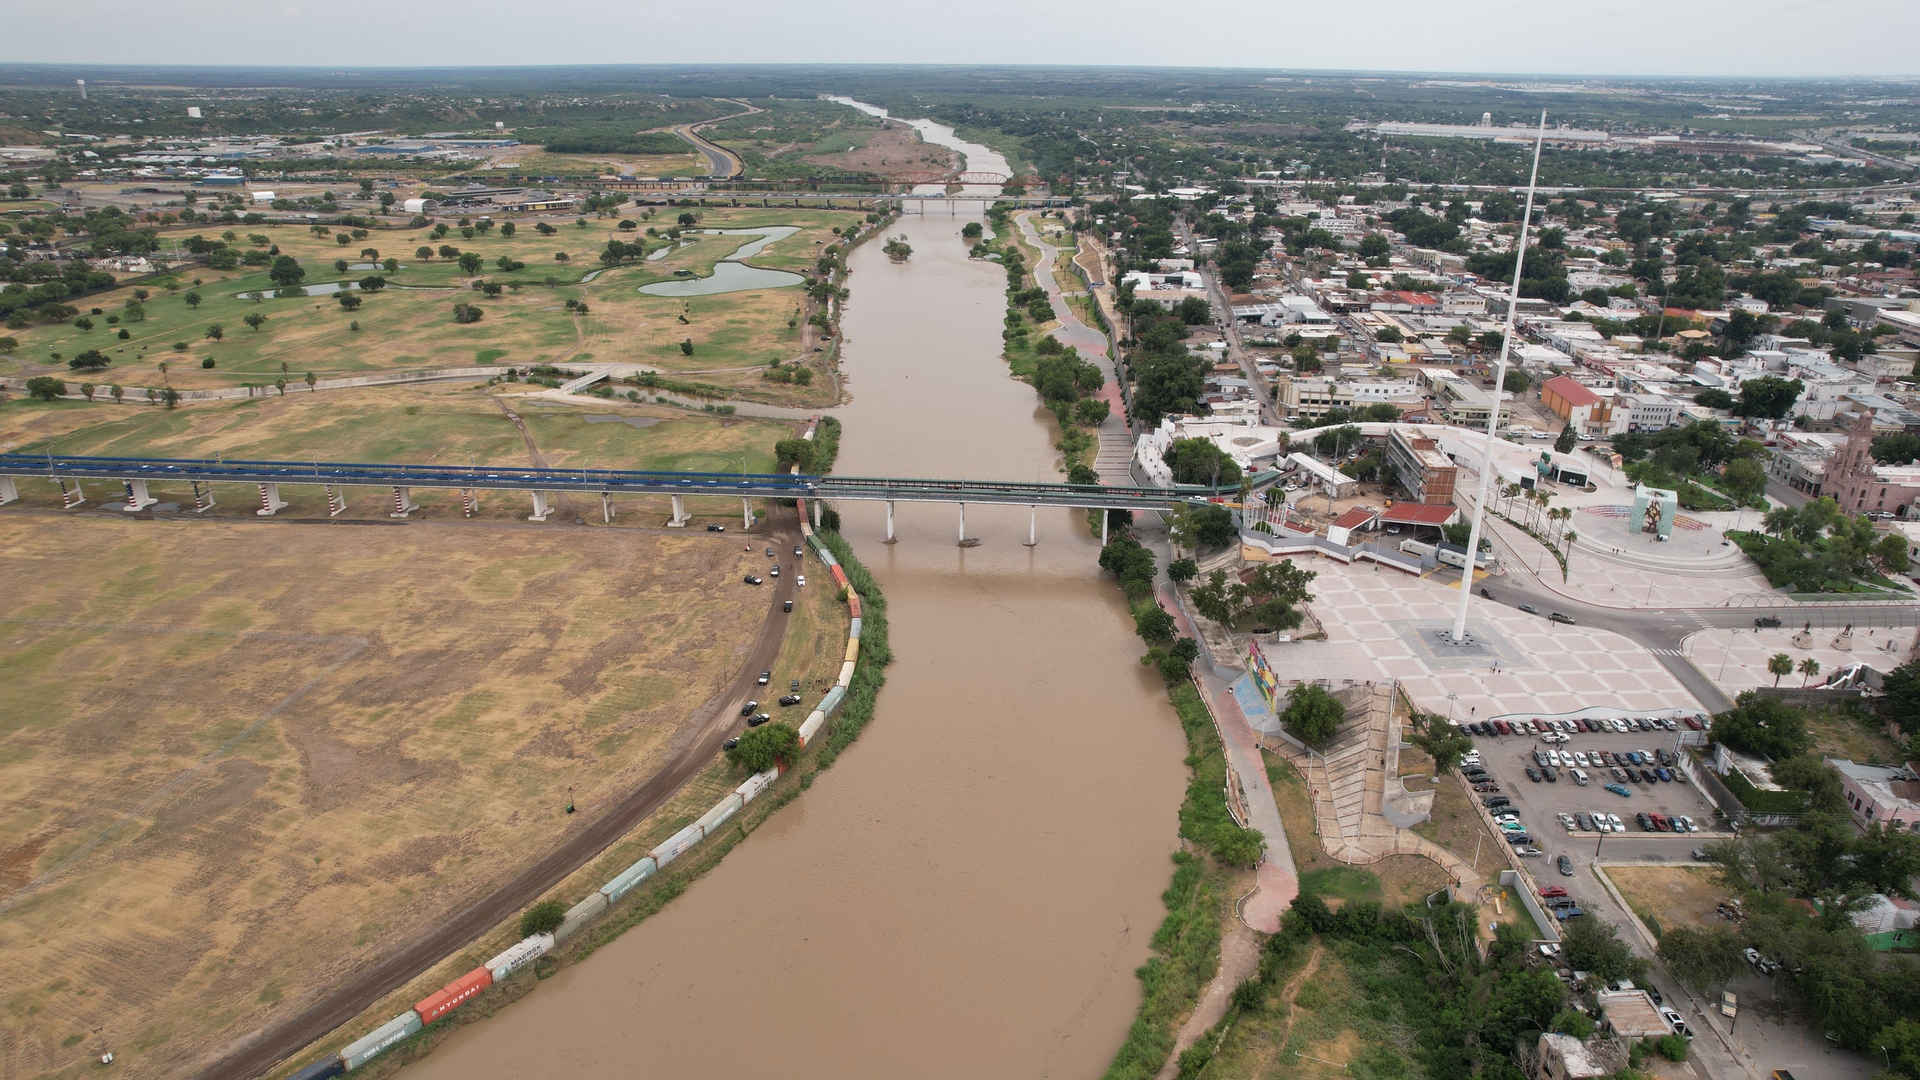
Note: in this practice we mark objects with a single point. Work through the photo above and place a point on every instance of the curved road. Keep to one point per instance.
(256, 1054)
(722, 164)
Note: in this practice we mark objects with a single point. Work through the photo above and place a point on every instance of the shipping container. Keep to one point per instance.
(853, 631)
(755, 784)
(717, 816)
(624, 882)
(846, 674)
(839, 575)
(320, 1070)
(523, 952)
(376, 1042)
(811, 727)
(832, 702)
(853, 650)
(677, 845)
(453, 995)
(853, 604)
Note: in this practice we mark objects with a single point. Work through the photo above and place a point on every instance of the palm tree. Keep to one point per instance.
(1567, 538)
(1780, 664)
(1808, 669)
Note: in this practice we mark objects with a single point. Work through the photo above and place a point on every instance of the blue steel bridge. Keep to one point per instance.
(135, 475)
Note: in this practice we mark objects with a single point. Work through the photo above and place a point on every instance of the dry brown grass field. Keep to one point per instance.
(239, 759)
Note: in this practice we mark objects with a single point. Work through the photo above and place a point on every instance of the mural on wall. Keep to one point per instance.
(1263, 677)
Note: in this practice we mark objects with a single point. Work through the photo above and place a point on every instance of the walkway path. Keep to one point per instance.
(1113, 460)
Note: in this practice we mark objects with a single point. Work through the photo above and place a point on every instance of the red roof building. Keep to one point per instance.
(1413, 513)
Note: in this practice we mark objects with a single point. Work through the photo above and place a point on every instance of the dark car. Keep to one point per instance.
(716, 528)
(1552, 775)
(1563, 914)
(730, 743)
(796, 551)
(1692, 724)
(747, 709)
(1565, 864)
(1560, 617)
(1767, 620)
(758, 718)
(769, 551)
(1488, 593)
(1586, 821)
(1561, 903)
(1533, 774)
(765, 678)
(1518, 838)
(751, 580)
(790, 699)
(1492, 801)
(774, 572)
(1486, 787)
(786, 605)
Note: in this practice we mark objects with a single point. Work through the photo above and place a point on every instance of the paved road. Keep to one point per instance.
(1223, 313)
(721, 163)
(261, 1051)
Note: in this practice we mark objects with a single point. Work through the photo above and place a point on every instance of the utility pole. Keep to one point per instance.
(1459, 636)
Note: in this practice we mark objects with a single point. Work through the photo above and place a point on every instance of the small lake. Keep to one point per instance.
(727, 277)
(324, 289)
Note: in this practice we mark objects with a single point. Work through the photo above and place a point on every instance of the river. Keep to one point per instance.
(967, 892)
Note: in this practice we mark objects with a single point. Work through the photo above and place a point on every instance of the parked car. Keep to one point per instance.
(1492, 801)
(1528, 852)
(790, 700)
(786, 605)
(796, 551)
(1552, 777)
(730, 743)
(1619, 789)
(765, 678)
(1767, 621)
(747, 709)
(1528, 608)
(775, 571)
(769, 551)
(1586, 821)
(1614, 820)
(1552, 891)
(1560, 617)
(801, 582)
(1565, 865)
(759, 718)
(752, 580)
(716, 528)
(1568, 913)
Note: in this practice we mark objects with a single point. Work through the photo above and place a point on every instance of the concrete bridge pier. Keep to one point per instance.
(816, 513)
(746, 513)
(1103, 528)
(541, 511)
(71, 499)
(270, 501)
(202, 497)
(336, 500)
(679, 518)
(10, 492)
(137, 497)
(403, 503)
(890, 538)
(606, 507)
(963, 524)
(1033, 521)
(469, 501)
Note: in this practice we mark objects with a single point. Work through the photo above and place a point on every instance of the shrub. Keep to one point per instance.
(467, 313)
(542, 918)
(45, 387)
(206, 362)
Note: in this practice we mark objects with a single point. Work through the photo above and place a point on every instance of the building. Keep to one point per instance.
(1460, 402)
(1579, 405)
(1427, 474)
(1563, 1057)
(1802, 468)
(1631, 1014)
(1887, 795)
(1860, 485)
(1889, 924)
(1312, 397)
(1649, 410)
(1415, 515)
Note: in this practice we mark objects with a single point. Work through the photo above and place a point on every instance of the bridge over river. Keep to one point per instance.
(136, 475)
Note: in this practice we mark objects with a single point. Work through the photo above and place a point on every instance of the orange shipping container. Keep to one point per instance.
(453, 995)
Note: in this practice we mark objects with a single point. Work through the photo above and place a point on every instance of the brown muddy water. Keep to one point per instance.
(967, 892)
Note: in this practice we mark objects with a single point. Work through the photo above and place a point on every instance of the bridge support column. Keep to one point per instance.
(336, 500)
(1033, 524)
(746, 513)
(816, 513)
(606, 507)
(469, 501)
(963, 524)
(202, 497)
(270, 501)
(9, 491)
(679, 519)
(541, 511)
(402, 503)
(1103, 527)
(137, 497)
(890, 538)
(73, 498)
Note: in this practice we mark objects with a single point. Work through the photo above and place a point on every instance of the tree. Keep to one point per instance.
(45, 388)
(1896, 448)
(310, 380)
(1154, 625)
(1808, 669)
(764, 747)
(1193, 311)
(1901, 1042)
(286, 272)
(192, 299)
(1744, 479)
(1714, 399)
(1200, 461)
(1312, 715)
(1516, 382)
(1702, 958)
(686, 347)
(1769, 397)
(1443, 741)
(1567, 440)
(118, 392)
(1389, 334)
(215, 332)
(542, 918)
(423, 253)
(254, 320)
(1892, 550)
(1593, 945)
(1131, 562)
(91, 360)
(1182, 570)
(1779, 664)
(1764, 725)
(507, 228)
(470, 263)
(1235, 846)
(372, 283)
(349, 301)
(464, 313)
(788, 453)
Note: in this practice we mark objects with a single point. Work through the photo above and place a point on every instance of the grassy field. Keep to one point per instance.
(409, 325)
(239, 758)
(414, 424)
(1670, 896)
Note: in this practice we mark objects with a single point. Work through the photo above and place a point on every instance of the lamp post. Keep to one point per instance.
(1451, 698)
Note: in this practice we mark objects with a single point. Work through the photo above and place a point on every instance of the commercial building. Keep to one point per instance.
(1577, 404)
(1460, 402)
(1885, 795)
(1427, 474)
(1311, 397)
(1630, 1014)
(1649, 410)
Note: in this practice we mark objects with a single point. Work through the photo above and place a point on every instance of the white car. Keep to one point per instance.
(1554, 759)
(801, 582)
(1618, 825)
(1580, 759)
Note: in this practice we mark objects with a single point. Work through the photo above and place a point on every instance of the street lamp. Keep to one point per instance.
(1451, 698)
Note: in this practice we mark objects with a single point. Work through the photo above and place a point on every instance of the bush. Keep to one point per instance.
(467, 313)
(207, 362)
(45, 387)
(1671, 1047)
(542, 918)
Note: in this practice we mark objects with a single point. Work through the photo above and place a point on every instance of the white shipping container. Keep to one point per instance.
(677, 844)
(846, 674)
(713, 818)
(755, 784)
(812, 727)
(375, 1042)
(524, 952)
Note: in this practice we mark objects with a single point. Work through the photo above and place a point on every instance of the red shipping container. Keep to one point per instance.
(453, 995)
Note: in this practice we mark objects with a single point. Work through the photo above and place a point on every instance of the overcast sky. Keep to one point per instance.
(1602, 37)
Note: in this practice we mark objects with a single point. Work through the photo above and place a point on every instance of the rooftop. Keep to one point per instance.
(1411, 513)
(1566, 387)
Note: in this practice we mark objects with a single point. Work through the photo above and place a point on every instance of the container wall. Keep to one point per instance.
(846, 674)
(677, 845)
(755, 784)
(522, 953)
(853, 604)
(454, 994)
(853, 632)
(375, 1042)
(834, 699)
(853, 650)
(624, 882)
(715, 817)
(320, 1070)
(812, 727)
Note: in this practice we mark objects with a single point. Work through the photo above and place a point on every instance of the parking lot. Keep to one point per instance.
(1540, 802)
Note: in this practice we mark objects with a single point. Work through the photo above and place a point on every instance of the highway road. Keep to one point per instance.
(721, 163)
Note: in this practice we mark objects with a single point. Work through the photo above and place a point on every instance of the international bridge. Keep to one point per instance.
(136, 477)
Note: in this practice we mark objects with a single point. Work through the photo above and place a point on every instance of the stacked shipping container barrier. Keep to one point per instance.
(524, 952)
